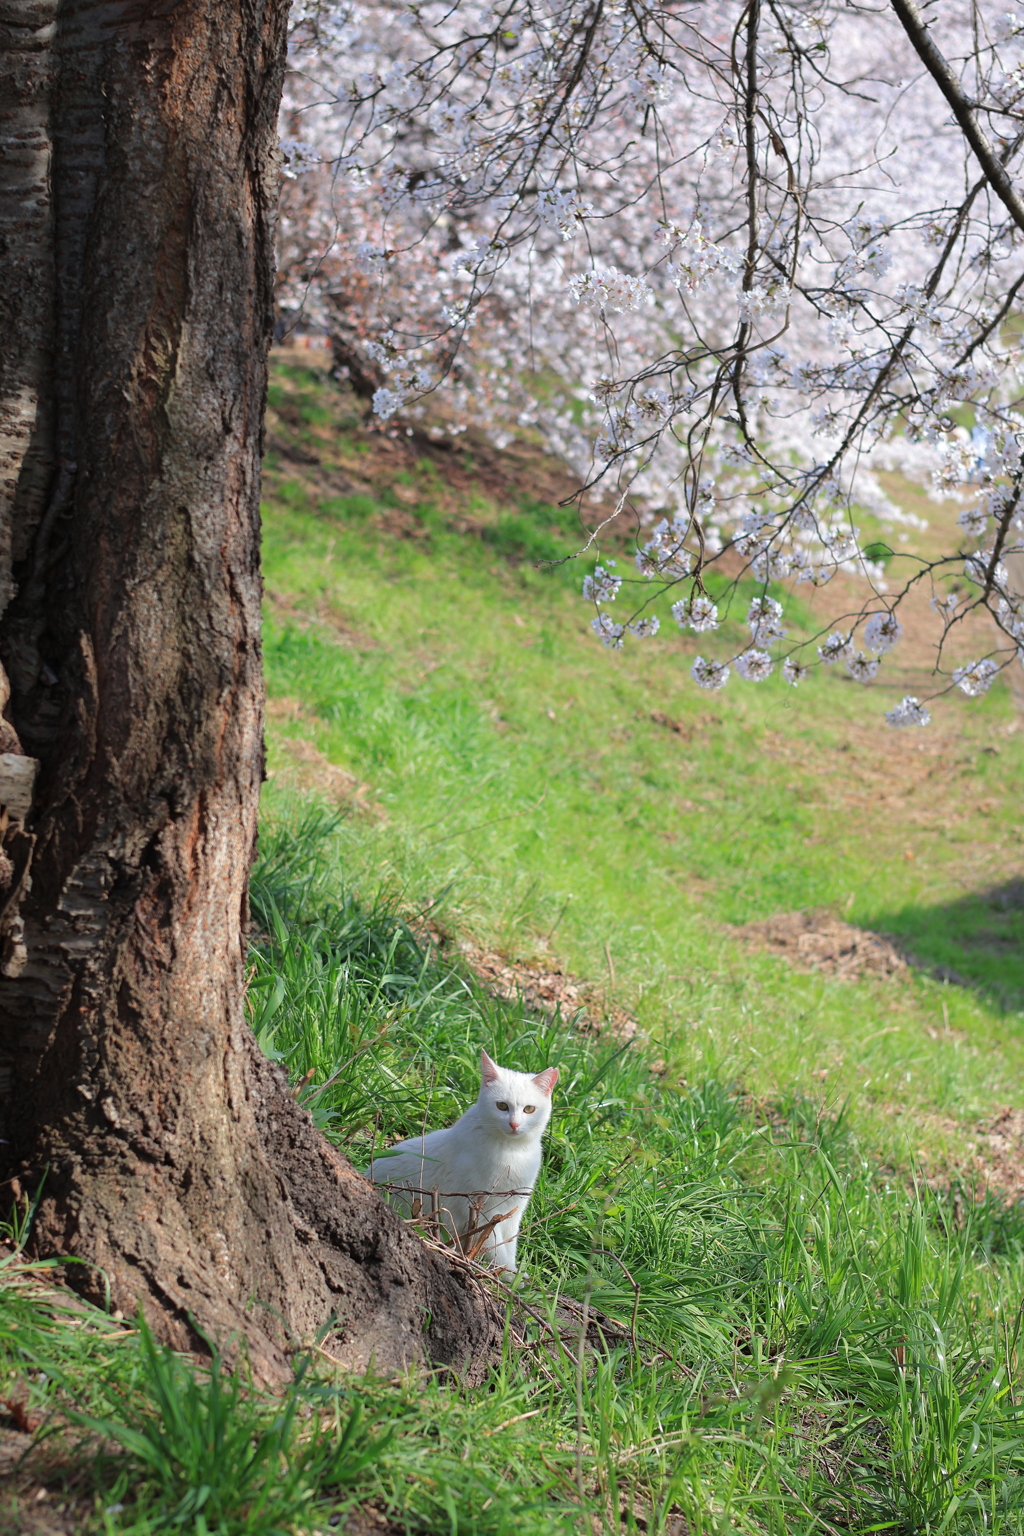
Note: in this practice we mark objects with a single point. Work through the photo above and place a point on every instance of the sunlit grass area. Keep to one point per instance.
(557, 797)
(764, 1287)
(795, 1337)
(726, 1320)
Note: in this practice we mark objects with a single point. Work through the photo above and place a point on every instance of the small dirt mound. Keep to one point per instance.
(306, 767)
(988, 1157)
(547, 990)
(999, 1154)
(542, 990)
(820, 941)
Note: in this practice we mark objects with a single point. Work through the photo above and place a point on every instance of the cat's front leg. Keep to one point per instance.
(504, 1256)
(505, 1242)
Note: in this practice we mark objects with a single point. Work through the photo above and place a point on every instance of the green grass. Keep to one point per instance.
(812, 1324)
(534, 802)
(819, 1345)
(525, 778)
(204, 1452)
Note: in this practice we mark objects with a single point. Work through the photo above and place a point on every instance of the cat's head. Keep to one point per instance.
(514, 1104)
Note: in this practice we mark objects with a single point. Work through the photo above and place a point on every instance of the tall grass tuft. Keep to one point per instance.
(203, 1452)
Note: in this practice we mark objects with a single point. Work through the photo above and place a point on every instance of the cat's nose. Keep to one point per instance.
(513, 1125)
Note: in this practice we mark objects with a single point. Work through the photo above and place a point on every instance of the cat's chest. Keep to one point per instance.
(488, 1164)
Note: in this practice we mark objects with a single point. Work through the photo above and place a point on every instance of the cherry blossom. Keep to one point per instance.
(759, 256)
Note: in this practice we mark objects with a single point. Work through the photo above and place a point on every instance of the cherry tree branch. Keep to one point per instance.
(934, 61)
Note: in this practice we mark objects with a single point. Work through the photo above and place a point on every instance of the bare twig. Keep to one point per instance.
(636, 1301)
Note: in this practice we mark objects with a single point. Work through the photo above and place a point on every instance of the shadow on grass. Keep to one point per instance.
(976, 941)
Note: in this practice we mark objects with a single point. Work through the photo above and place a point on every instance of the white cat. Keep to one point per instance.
(483, 1167)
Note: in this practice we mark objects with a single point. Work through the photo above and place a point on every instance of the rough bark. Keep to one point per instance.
(136, 192)
(1015, 675)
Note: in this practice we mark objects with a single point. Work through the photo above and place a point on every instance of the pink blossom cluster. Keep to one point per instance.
(765, 251)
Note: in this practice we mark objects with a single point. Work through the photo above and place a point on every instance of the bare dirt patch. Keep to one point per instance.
(687, 729)
(284, 708)
(368, 456)
(28, 1508)
(547, 991)
(820, 941)
(986, 1158)
(543, 989)
(996, 1154)
(371, 1520)
(325, 617)
(306, 767)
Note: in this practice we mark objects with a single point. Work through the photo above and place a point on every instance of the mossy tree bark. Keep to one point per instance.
(136, 209)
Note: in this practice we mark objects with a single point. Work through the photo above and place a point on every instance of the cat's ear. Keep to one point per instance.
(489, 1070)
(546, 1080)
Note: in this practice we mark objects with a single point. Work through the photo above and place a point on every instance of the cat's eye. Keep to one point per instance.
(502, 1107)
(529, 1109)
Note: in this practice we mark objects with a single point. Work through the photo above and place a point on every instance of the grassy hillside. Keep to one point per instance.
(789, 1199)
(567, 799)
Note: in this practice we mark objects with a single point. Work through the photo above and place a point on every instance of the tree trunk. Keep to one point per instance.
(136, 187)
(1015, 672)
